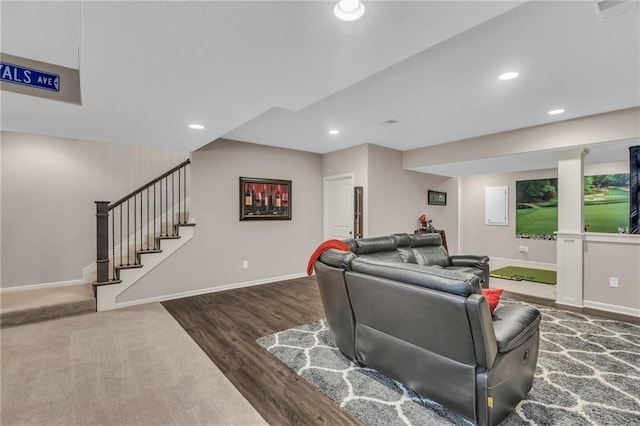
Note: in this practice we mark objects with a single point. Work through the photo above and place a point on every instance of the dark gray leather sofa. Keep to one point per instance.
(422, 249)
(431, 329)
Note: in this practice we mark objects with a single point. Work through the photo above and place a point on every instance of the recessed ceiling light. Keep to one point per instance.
(196, 126)
(349, 10)
(334, 132)
(556, 111)
(508, 75)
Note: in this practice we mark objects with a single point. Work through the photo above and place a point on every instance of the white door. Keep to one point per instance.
(338, 207)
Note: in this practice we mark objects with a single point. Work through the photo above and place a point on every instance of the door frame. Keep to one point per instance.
(325, 204)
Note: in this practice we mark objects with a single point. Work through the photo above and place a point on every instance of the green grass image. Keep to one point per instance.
(537, 220)
(603, 212)
(607, 217)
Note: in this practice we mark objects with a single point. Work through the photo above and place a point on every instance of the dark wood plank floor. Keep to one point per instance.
(226, 324)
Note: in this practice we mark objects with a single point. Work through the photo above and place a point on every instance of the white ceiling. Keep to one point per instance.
(284, 73)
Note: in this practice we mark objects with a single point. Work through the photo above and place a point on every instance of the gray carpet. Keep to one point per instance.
(133, 366)
(588, 373)
(27, 306)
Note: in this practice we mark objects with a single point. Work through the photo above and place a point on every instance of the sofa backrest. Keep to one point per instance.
(454, 282)
(423, 315)
(428, 250)
(378, 248)
(404, 248)
(434, 322)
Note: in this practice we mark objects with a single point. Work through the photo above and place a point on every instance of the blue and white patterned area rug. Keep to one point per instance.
(588, 374)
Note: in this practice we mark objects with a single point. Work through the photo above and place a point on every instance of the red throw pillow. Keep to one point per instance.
(493, 297)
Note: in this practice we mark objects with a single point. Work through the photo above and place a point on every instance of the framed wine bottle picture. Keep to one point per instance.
(265, 199)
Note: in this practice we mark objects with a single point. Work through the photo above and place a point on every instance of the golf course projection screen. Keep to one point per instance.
(606, 206)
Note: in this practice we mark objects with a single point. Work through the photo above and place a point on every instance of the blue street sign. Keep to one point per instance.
(29, 77)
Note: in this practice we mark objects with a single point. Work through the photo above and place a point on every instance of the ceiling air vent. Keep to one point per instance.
(609, 9)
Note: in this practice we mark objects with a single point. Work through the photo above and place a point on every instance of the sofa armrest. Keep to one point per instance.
(469, 260)
(484, 339)
(513, 324)
(337, 258)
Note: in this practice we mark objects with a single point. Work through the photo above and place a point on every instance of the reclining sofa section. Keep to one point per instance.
(430, 328)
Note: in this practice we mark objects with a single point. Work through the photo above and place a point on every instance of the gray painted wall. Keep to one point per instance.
(351, 161)
(603, 260)
(499, 241)
(49, 186)
(397, 197)
(213, 258)
(394, 198)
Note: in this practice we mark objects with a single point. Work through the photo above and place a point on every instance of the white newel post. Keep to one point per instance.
(569, 247)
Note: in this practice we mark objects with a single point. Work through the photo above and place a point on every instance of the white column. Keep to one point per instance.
(569, 247)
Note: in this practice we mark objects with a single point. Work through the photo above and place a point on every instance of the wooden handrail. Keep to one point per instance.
(104, 210)
(147, 185)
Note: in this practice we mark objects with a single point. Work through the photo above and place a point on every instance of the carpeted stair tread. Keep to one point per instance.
(22, 307)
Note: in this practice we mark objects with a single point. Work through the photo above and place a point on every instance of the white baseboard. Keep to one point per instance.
(500, 262)
(207, 290)
(611, 308)
(43, 285)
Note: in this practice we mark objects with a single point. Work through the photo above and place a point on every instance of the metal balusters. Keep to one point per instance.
(173, 207)
(161, 232)
(161, 211)
(180, 220)
(166, 206)
(155, 240)
(113, 246)
(128, 232)
(148, 224)
(135, 222)
(120, 235)
(141, 228)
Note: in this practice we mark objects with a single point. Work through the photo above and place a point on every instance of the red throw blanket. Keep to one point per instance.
(329, 244)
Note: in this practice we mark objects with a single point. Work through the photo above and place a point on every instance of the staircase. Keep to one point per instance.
(134, 235)
(149, 224)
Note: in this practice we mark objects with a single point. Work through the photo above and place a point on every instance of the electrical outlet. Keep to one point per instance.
(245, 264)
(613, 282)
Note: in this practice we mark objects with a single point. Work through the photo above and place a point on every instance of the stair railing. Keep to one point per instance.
(145, 216)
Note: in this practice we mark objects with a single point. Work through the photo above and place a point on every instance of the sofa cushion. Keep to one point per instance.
(383, 256)
(374, 245)
(469, 270)
(453, 282)
(513, 324)
(428, 250)
(404, 248)
(431, 255)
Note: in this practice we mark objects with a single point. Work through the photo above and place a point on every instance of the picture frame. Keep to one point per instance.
(265, 199)
(436, 198)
